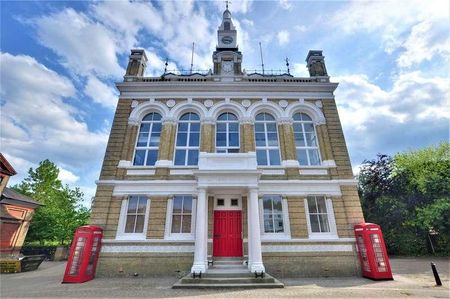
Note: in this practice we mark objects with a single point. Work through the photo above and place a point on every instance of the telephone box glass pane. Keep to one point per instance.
(379, 258)
(363, 251)
(77, 256)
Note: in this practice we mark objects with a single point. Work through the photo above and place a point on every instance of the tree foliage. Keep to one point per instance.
(62, 211)
(409, 196)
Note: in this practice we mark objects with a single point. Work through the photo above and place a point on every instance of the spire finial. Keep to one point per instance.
(226, 4)
(287, 65)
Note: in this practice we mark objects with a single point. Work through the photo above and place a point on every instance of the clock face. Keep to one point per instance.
(227, 67)
(227, 40)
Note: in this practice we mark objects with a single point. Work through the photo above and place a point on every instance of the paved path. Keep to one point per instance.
(413, 278)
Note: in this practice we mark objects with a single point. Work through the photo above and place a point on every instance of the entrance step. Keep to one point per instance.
(228, 273)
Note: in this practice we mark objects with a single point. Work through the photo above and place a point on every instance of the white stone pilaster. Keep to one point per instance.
(249, 233)
(200, 236)
(257, 263)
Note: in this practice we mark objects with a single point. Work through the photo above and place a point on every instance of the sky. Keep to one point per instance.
(59, 62)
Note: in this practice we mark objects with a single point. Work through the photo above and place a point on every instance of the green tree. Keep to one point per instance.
(62, 212)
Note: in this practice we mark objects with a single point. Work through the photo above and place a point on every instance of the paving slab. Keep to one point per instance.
(412, 279)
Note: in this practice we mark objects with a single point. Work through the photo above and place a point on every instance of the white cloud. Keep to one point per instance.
(283, 37)
(410, 114)
(85, 46)
(67, 177)
(300, 70)
(38, 122)
(391, 20)
(100, 93)
(285, 4)
(241, 6)
(426, 41)
(300, 28)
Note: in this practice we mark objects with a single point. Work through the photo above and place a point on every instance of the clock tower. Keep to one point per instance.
(227, 58)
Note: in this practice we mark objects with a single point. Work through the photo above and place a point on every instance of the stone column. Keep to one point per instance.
(200, 228)
(254, 227)
(249, 234)
(205, 221)
(166, 144)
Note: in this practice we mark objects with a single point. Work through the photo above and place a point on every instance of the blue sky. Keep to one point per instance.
(59, 62)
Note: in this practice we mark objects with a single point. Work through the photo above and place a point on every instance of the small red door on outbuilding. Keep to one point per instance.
(227, 239)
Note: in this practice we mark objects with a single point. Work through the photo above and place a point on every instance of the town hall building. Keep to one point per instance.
(205, 168)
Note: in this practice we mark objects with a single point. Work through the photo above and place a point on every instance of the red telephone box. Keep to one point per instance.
(372, 251)
(83, 254)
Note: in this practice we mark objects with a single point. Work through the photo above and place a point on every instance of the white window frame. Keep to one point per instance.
(286, 235)
(306, 147)
(227, 131)
(121, 234)
(187, 147)
(147, 148)
(332, 234)
(168, 235)
(267, 147)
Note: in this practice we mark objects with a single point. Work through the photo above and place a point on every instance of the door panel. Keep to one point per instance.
(227, 237)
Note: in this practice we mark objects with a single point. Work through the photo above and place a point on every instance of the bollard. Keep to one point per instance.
(436, 275)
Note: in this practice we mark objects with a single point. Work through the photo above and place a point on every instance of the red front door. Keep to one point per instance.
(227, 233)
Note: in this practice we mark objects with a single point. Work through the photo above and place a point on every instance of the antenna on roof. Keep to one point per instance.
(192, 57)
(287, 65)
(262, 61)
(166, 64)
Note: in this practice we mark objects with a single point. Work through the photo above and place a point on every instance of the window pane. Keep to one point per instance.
(274, 156)
(312, 205)
(180, 156)
(324, 223)
(260, 116)
(278, 220)
(145, 128)
(156, 127)
(148, 117)
(195, 127)
(186, 224)
(223, 116)
(176, 223)
(271, 127)
(221, 139)
(260, 139)
(154, 139)
(267, 204)
(234, 139)
(177, 204)
(273, 140)
(129, 226)
(156, 116)
(193, 157)
(322, 208)
(233, 127)
(268, 223)
(298, 128)
(309, 127)
(301, 156)
(142, 139)
(261, 157)
(297, 116)
(139, 224)
(233, 150)
(220, 202)
(185, 116)
(310, 139)
(139, 157)
(234, 202)
(314, 223)
(299, 139)
(182, 127)
(277, 207)
(259, 127)
(221, 127)
(194, 139)
(181, 139)
(314, 157)
(132, 204)
(152, 156)
(187, 205)
(142, 204)
(305, 117)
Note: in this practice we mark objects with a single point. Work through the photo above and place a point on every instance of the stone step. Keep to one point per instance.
(220, 266)
(236, 286)
(237, 262)
(228, 280)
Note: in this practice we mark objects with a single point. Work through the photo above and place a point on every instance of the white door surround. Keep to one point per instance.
(227, 202)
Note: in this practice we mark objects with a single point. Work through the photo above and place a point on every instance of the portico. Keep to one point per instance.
(219, 172)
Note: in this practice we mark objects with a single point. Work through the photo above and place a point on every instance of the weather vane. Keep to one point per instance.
(226, 3)
(166, 64)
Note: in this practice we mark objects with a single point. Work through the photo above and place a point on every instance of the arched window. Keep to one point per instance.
(227, 133)
(147, 145)
(266, 138)
(188, 139)
(306, 140)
